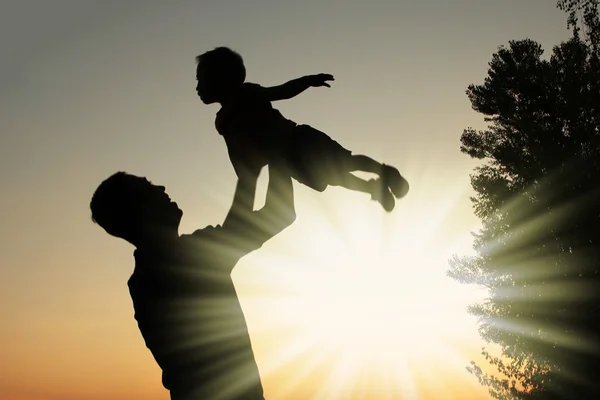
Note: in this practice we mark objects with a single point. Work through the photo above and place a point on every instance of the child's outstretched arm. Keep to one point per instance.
(296, 86)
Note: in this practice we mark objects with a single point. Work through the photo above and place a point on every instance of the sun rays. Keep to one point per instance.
(354, 303)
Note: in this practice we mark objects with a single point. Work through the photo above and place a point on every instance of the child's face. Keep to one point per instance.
(206, 87)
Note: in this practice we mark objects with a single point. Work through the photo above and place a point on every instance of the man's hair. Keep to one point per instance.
(223, 64)
(113, 205)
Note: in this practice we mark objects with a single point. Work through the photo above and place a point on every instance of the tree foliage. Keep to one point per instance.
(538, 197)
(585, 13)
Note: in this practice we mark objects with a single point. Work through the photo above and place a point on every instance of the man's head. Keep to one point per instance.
(219, 71)
(132, 208)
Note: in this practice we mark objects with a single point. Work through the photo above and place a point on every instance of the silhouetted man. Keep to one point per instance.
(184, 299)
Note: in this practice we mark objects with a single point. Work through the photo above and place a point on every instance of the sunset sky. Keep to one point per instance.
(89, 87)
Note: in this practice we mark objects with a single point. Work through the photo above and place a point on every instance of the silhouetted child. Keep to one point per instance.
(255, 133)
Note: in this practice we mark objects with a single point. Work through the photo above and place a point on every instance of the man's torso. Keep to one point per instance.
(190, 317)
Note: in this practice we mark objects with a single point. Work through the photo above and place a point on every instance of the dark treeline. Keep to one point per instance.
(537, 194)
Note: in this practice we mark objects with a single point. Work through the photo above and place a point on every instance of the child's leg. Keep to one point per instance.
(326, 162)
(388, 174)
(359, 162)
(376, 189)
(352, 182)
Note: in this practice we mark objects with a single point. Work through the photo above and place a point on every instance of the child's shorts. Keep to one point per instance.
(315, 158)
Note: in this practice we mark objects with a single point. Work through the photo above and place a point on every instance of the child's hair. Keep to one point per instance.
(223, 64)
(113, 206)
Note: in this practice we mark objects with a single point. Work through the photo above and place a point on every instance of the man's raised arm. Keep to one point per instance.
(256, 227)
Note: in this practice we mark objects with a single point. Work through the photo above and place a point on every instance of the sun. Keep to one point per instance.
(354, 302)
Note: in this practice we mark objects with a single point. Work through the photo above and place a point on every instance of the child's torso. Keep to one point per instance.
(252, 117)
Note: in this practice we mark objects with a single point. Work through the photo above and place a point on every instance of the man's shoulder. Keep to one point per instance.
(204, 238)
(175, 265)
(206, 232)
(233, 238)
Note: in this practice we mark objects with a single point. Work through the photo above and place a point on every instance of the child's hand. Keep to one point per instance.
(320, 80)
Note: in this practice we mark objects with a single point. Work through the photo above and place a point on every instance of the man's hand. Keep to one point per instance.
(320, 80)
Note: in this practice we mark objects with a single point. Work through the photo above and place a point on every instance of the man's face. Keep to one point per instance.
(157, 206)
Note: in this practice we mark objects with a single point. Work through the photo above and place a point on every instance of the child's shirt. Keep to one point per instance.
(251, 127)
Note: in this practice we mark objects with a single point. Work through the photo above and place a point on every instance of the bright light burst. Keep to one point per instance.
(351, 302)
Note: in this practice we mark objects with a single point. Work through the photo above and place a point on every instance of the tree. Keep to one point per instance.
(584, 12)
(538, 197)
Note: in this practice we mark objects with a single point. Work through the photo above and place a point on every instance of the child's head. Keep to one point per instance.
(219, 71)
(130, 207)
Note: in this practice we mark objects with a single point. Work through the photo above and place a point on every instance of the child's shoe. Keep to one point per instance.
(391, 178)
(381, 194)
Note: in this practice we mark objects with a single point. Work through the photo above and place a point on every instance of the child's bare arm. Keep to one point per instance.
(296, 86)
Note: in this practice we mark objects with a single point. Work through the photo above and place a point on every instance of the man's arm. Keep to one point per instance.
(254, 228)
(243, 199)
(296, 86)
(279, 210)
